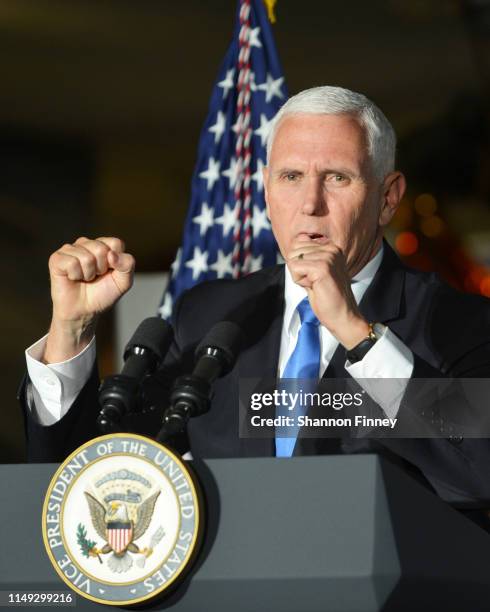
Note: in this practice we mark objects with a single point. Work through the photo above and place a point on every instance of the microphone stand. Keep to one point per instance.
(118, 394)
(191, 394)
(190, 397)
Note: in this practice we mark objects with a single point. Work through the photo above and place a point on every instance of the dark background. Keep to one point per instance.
(101, 105)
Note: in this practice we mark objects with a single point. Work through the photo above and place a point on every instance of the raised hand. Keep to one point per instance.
(87, 278)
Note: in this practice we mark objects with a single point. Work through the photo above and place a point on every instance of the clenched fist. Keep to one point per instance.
(320, 267)
(87, 278)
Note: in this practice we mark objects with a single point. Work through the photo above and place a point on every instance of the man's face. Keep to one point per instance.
(319, 187)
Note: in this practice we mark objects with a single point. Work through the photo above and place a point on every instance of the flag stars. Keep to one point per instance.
(259, 221)
(223, 265)
(174, 268)
(251, 81)
(258, 176)
(272, 87)
(205, 219)
(198, 264)
(229, 172)
(237, 126)
(256, 263)
(228, 82)
(212, 173)
(219, 127)
(227, 219)
(264, 129)
(234, 172)
(253, 39)
(165, 309)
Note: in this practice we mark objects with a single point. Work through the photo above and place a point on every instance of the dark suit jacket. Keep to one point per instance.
(447, 331)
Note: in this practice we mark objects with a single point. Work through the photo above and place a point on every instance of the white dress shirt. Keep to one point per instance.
(389, 357)
(55, 386)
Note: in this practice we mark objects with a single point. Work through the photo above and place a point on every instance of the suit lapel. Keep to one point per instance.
(382, 301)
(262, 326)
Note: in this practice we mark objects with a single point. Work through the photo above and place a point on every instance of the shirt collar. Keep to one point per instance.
(294, 294)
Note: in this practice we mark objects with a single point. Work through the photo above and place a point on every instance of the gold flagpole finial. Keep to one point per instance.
(270, 10)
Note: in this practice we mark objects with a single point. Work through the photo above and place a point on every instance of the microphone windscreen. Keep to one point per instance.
(154, 334)
(226, 336)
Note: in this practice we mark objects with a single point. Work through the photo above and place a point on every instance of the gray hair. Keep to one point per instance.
(328, 100)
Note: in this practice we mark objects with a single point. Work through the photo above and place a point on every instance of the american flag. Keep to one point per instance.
(227, 233)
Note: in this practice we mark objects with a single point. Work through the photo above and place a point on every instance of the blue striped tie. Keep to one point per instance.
(304, 363)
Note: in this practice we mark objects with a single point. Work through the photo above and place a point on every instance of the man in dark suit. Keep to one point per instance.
(330, 188)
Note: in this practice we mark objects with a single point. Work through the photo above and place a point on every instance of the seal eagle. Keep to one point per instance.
(114, 526)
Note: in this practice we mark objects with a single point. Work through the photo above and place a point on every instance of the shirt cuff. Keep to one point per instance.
(389, 358)
(56, 385)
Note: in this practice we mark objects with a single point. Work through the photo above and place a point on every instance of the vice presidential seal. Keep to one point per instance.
(121, 519)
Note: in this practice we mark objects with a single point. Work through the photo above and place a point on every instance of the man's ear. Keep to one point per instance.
(394, 186)
(265, 178)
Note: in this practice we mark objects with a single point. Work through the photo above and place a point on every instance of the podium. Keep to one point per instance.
(344, 533)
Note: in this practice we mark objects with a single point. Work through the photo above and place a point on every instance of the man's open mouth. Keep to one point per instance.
(315, 237)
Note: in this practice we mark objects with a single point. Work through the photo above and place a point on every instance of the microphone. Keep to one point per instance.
(146, 349)
(215, 356)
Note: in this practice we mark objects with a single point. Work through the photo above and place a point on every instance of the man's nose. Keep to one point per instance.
(314, 202)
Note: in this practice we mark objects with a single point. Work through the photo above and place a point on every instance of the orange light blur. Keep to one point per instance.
(406, 243)
(431, 226)
(485, 286)
(403, 218)
(478, 274)
(425, 204)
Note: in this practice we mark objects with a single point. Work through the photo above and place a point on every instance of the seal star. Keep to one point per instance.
(198, 263)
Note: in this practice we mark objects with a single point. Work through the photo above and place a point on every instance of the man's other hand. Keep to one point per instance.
(87, 278)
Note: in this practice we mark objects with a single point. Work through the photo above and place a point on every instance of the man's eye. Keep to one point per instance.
(290, 176)
(338, 179)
